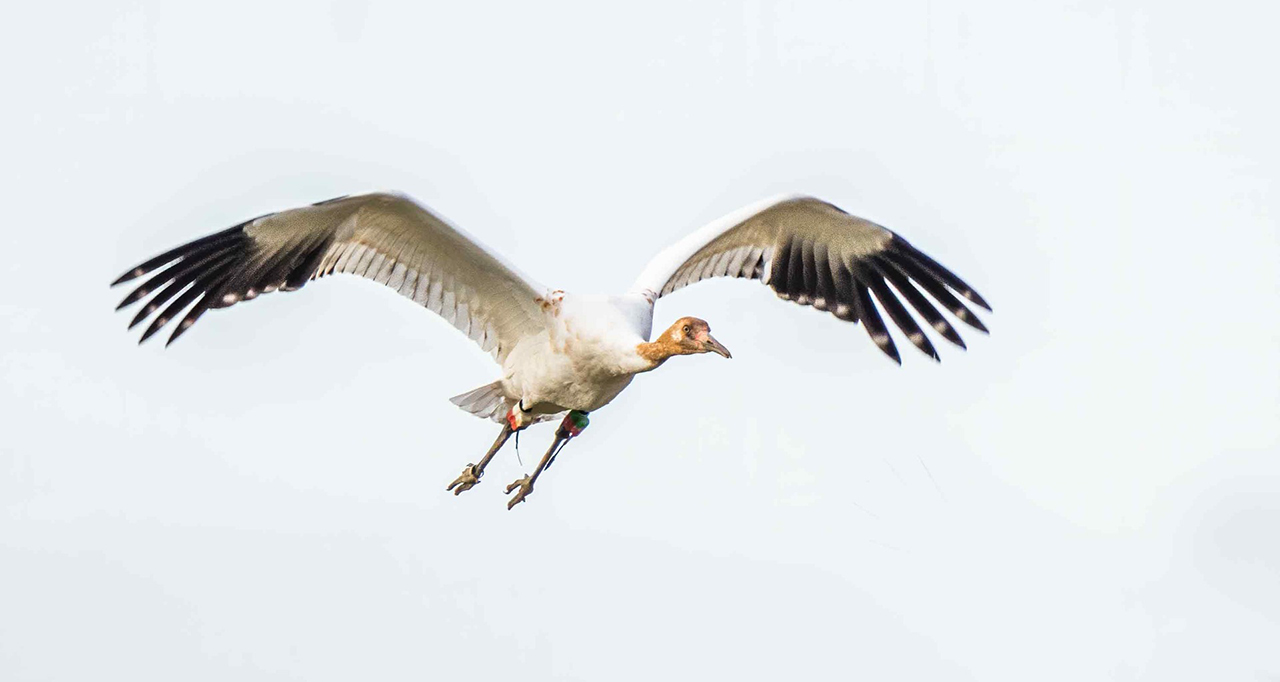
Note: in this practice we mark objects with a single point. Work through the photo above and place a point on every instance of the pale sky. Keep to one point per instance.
(1092, 492)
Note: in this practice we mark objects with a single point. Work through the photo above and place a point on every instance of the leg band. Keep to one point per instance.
(574, 423)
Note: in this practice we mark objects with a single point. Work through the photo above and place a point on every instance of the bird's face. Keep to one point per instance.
(693, 335)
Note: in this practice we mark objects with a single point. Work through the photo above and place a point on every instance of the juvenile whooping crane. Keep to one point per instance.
(560, 353)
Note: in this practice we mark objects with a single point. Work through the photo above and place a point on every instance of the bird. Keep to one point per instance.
(561, 355)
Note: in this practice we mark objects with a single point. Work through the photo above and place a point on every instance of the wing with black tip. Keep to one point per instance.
(812, 253)
(384, 237)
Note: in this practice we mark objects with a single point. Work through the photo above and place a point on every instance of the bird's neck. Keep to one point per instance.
(657, 351)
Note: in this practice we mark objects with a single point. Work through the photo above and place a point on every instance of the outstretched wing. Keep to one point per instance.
(384, 237)
(812, 253)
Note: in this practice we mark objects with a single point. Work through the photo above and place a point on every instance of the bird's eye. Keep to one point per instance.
(687, 329)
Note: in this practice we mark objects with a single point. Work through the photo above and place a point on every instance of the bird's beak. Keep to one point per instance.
(713, 346)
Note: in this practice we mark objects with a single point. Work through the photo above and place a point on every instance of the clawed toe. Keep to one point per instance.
(526, 489)
(469, 477)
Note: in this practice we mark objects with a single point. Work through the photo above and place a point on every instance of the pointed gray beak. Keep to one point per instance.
(713, 346)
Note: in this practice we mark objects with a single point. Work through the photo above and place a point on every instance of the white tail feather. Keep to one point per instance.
(488, 401)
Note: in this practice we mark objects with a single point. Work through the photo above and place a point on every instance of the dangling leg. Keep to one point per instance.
(517, 418)
(472, 473)
(573, 424)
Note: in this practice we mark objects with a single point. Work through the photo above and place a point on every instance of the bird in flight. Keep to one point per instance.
(560, 353)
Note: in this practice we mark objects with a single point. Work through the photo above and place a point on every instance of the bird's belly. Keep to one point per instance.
(551, 377)
(583, 394)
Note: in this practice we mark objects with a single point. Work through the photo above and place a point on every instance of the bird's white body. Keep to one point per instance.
(587, 356)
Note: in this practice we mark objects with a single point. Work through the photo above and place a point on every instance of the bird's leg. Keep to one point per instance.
(573, 424)
(472, 473)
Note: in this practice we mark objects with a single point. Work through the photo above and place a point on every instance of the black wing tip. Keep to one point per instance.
(900, 246)
(183, 326)
(968, 317)
(805, 274)
(149, 332)
(975, 297)
(977, 324)
(142, 315)
(886, 345)
(954, 337)
(132, 274)
(191, 248)
(968, 294)
(939, 282)
(192, 269)
(217, 271)
(921, 342)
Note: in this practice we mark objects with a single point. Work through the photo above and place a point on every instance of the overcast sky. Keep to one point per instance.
(1092, 492)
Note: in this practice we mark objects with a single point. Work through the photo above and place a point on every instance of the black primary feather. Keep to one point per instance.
(871, 317)
(899, 314)
(940, 272)
(229, 234)
(939, 291)
(918, 301)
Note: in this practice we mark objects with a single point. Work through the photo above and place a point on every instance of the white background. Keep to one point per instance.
(1092, 492)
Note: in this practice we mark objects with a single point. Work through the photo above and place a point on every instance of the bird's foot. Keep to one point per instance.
(526, 489)
(470, 476)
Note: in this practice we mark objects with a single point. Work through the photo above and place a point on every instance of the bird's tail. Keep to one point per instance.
(486, 402)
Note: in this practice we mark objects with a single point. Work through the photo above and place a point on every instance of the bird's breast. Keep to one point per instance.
(587, 357)
(599, 334)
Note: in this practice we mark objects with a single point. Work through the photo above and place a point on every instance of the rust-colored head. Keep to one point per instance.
(687, 336)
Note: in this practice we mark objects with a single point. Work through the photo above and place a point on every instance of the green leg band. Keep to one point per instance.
(575, 422)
